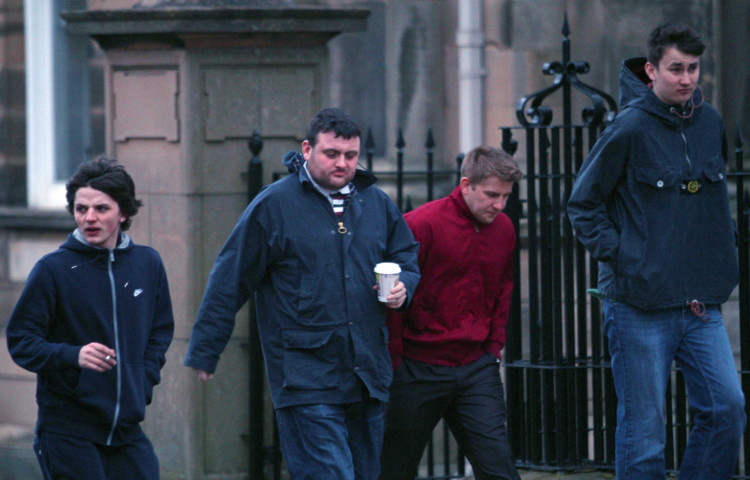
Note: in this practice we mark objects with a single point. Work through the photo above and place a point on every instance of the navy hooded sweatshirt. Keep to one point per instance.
(651, 203)
(81, 294)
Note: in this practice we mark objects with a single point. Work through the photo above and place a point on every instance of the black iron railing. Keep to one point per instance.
(561, 403)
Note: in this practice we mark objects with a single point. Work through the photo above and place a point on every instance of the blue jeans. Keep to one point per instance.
(643, 345)
(323, 442)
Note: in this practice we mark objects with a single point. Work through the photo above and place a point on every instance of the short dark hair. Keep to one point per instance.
(332, 120)
(676, 35)
(486, 161)
(108, 176)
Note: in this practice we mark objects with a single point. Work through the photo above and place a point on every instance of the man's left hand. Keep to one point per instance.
(397, 296)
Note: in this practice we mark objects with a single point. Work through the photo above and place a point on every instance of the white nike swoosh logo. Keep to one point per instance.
(137, 292)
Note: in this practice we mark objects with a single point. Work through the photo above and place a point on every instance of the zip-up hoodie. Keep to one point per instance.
(659, 245)
(81, 294)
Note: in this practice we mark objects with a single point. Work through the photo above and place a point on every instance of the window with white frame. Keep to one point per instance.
(58, 123)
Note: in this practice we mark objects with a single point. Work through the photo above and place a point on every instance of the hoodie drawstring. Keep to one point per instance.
(693, 106)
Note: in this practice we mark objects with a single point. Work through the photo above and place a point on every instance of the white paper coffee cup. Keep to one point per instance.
(386, 275)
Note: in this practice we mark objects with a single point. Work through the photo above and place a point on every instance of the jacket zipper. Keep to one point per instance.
(341, 228)
(685, 146)
(117, 346)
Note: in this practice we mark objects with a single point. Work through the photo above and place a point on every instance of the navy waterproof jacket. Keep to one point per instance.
(321, 327)
(81, 294)
(661, 240)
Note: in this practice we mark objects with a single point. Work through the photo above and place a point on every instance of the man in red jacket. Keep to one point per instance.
(446, 346)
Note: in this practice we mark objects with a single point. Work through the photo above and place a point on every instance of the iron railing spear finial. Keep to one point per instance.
(566, 75)
(369, 148)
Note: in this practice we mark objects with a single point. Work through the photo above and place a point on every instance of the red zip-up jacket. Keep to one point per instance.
(461, 305)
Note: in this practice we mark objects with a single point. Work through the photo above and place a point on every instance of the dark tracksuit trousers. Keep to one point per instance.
(469, 397)
(63, 457)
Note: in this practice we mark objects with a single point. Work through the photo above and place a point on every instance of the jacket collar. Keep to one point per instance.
(463, 208)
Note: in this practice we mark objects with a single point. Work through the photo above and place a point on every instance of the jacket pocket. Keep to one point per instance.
(133, 397)
(67, 380)
(310, 360)
(646, 231)
(657, 178)
(96, 391)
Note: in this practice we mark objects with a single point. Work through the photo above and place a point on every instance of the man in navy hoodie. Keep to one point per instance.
(94, 323)
(651, 205)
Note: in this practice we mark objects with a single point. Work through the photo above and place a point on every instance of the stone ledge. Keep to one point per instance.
(204, 27)
(22, 218)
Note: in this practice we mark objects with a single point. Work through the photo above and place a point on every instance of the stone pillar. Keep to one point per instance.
(184, 90)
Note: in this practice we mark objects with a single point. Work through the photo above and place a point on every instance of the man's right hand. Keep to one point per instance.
(97, 357)
(203, 376)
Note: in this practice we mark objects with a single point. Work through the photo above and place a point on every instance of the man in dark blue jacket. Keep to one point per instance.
(651, 205)
(94, 323)
(306, 247)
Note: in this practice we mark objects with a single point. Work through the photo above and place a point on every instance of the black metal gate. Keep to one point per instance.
(561, 400)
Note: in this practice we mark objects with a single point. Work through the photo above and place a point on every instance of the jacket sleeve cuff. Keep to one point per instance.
(69, 356)
(404, 306)
(197, 364)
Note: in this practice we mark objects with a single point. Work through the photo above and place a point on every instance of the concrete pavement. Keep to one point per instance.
(17, 461)
(577, 475)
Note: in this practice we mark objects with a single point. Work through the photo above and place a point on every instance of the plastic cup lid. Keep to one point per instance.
(387, 267)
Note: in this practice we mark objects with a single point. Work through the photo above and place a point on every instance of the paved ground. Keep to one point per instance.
(17, 461)
(579, 475)
(526, 474)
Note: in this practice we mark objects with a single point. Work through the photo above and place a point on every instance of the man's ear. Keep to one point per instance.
(306, 149)
(465, 184)
(650, 70)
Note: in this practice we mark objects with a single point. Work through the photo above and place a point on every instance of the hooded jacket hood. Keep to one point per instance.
(636, 92)
(123, 243)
